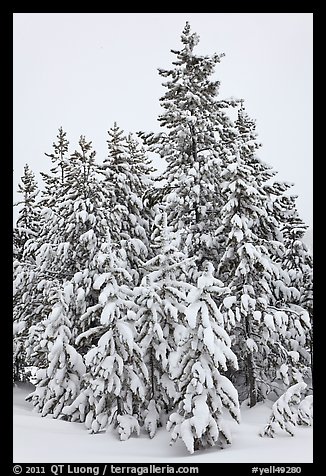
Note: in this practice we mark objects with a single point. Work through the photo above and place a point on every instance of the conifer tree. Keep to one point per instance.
(26, 226)
(25, 231)
(58, 384)
(297, 258)
(78, 219)
(54, 180)
(32, 283)
(285, 412)
(113, 389)
(160, 299)
(267, 329)
(126, 173)
(305, 411)
(140, 166)
(74, 227)
(203, 358)
(196, 129)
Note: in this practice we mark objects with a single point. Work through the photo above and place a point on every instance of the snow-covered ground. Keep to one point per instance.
(44, 440)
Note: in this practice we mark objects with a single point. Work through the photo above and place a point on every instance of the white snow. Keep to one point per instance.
(206, 280)
(229, 301)
(209, 340)
(44, 440)
(107, 312)
(100, 280)
(251, 344)
(126, 334)
(191, 313)
(269, 321)
(127, 425)
(256, 315)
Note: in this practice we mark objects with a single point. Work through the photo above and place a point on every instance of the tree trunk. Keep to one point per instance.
(251, 378)
(194, 153)
(197, 444)
(151, 363)
(119, 406)
(251, 382)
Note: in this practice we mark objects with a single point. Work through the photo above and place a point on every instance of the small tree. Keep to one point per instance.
(285, 412)
(58, 384)
(113, 388)
(161, 299)
(57, 177)
(27, 225)
(198, 370)
(297, 259)
(126, 176)
(305, 411)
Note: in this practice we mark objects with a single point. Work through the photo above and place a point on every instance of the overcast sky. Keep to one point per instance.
(83, 71)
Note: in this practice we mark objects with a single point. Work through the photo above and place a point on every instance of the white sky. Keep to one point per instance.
(86, 70)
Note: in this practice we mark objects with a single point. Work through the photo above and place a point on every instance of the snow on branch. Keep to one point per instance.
(285, 412)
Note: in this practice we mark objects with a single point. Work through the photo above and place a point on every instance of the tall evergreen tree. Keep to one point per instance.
(75, 251)
(25, 231)
(265, 324)
(298, 262)
(32, 283)
(74, 227)
(78, 220)
(126, 173)
(196, 130)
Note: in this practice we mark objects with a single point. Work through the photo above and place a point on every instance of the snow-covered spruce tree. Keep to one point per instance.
(74, 249)
(21, 301)
(31, 283)
(198, 369)
(74, 229)
(58, 383)
(25, 230)
(81, 212)
(54, 180)
(32, 304)
(113, 389)
(78, 221)
(140, 166)
(160, 299)
(268, 334)
(283, 230)
(126, 173)
(285, 412)
(27, 224)
(305, 411)
(293, 290)
(195, 130)
(297, 259)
